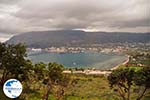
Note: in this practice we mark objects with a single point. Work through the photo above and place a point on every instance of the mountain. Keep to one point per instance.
(44, 39)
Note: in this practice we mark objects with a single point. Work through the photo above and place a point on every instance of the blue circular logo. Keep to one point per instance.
(12, 88)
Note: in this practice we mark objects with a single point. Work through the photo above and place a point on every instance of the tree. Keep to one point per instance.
(142, 79)
(12, 62)
(125, 78)
(64, 84)
(39, 74)
(39, 70)
(122, 79)
(54, 77)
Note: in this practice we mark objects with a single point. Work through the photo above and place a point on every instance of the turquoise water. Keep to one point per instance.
(82, 60)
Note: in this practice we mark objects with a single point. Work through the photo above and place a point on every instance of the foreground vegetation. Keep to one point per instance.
(48, 82)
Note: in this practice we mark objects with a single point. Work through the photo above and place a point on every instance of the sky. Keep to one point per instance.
(18, 16)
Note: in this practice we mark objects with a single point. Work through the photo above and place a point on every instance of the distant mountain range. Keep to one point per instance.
(45, 39)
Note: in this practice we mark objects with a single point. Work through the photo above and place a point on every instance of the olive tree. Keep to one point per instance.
(122, 79)
(142, 79)
(125, 78)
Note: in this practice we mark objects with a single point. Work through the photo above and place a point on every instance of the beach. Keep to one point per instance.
(96, 71)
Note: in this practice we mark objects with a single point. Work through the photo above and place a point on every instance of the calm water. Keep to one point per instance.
(84, 60)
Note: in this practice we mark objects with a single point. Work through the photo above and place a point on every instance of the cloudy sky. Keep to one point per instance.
(17, 16)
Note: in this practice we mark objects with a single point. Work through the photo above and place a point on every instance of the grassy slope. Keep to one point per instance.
(90, 88)
(86, 88)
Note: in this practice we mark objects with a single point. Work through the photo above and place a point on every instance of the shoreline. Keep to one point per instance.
(96, 71)
(125, 62)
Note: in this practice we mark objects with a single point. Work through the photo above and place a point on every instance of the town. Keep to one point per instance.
(102, 48)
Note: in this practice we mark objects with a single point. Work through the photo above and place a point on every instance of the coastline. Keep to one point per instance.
(125, 62)
(96, 71)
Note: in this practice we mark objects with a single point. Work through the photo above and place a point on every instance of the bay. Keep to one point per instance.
(80, 60)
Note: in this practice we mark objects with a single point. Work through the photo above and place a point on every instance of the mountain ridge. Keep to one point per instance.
(43, 39)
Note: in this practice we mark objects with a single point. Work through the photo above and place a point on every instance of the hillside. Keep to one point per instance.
(76, 38)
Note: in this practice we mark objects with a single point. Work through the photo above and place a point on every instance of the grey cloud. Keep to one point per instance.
(115, 15)
(135, 23)
(8, 2)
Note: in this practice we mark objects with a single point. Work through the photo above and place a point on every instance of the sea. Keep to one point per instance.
(96, 60)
